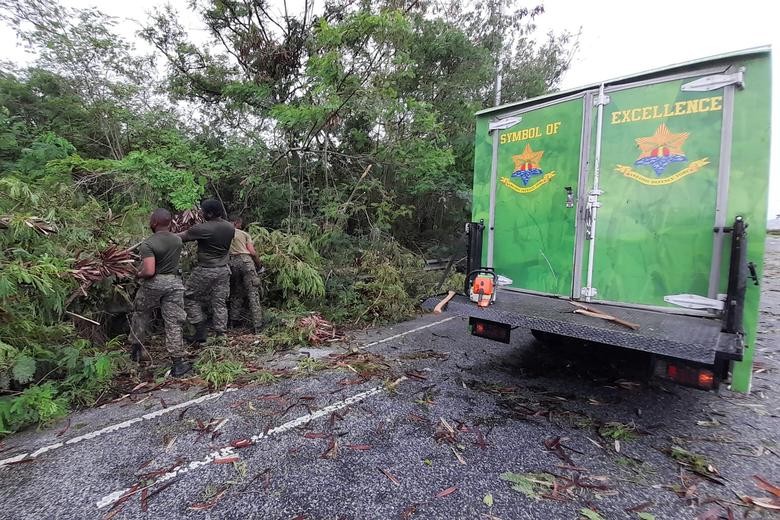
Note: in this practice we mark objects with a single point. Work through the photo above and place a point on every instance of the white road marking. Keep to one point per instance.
(115, 427)
(409, 332)
(163, 411)
(230, 451)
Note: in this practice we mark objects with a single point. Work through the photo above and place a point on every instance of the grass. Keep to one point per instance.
(618, 431)
(219, 374)
(264, 377)
(309, 365)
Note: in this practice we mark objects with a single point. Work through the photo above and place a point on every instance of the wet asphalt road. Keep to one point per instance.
(330, 445)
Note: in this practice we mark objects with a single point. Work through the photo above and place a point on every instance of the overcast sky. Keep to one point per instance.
(619, 37)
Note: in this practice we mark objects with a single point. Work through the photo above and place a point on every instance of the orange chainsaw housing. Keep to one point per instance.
(484, 288)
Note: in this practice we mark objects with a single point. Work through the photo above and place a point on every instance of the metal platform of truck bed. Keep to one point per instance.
(691, 338)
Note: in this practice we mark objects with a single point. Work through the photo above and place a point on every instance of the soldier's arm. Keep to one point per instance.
(251, 248)
(148, 263)
(194, 233)
(148, 267)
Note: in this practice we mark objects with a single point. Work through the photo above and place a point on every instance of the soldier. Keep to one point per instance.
(161, 288)
(244, 266)
(209, 282)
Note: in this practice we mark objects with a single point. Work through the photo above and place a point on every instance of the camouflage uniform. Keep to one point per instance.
(243, 284)
(166, 292)
(208, 285)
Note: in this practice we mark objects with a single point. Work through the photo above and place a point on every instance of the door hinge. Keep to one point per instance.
(588, 292)
(716, 81)
(590, 205)
(601, 100)
(694, 301)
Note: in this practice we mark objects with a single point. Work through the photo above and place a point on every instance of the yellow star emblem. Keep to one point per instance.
(662, 138)
(528, 157)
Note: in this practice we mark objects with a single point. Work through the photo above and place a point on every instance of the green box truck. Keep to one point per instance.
(642, 199)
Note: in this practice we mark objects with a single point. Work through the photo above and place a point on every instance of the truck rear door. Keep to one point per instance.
(661, 154)
(536, 165)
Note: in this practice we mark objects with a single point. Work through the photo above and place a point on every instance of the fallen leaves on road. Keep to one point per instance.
(62, 431)
(145, 500)
(553, 445)
(590, 514)
(241, 443)
(555, 487)
(446, 492)
(445, 433)
(532, 485)
(332, 451)
(320, 329)
(639, 507)
(426, 354)
(205, 506)
(226, 460)
(772, 503)
(458, 455)
(120, 503)
(417, 375)
(408, 512)
(695, 463)
(392, 478)
(417, 418)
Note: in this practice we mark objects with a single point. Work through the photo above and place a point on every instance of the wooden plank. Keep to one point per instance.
(440, 306)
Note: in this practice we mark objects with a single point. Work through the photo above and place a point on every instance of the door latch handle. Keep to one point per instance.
(753, 273)
(569, 197)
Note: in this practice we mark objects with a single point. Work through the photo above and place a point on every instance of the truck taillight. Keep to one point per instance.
(698, 377)
(490, 329)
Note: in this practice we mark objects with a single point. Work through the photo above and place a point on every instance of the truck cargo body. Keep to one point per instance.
(623, 196)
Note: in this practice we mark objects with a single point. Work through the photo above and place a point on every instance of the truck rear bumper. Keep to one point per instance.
(690, 338)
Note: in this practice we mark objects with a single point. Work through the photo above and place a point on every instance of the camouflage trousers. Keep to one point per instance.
(208, 286)
(164, 292)
(243, 285)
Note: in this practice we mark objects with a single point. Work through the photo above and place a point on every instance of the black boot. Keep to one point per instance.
(200, 334)
(139, 354)
(180, 367)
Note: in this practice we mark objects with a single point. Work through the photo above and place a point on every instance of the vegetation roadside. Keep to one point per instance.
(345, 133)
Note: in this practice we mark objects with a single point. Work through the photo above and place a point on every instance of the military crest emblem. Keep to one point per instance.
(659, 152)
(527, 166)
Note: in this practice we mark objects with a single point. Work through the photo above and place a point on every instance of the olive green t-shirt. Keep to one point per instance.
(165, 247)
(214, 237)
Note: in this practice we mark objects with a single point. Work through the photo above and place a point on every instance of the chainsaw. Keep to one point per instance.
(482, 285)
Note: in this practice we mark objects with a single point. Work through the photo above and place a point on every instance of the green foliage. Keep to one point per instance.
(219, 374)
(532, 485)
(24, 369)
(263, 377)
(309, 365)
(618, 431)
(37, 404)
(183, 192)
(219, 367)
(590, 514)
(291, 261)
